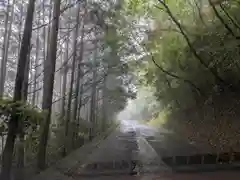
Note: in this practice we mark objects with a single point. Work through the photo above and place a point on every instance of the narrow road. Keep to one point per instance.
(114, 155)
(134, 152)
(124, 153)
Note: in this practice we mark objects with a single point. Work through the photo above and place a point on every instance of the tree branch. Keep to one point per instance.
(229, 17)
(61, 12)
(221, 19)
(193, 50)
(177, 77)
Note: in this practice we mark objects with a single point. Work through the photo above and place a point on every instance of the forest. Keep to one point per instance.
(68, 67)
(191, 66)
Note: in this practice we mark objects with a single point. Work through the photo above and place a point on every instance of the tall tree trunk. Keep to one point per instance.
(7, 35)
(21, 134)
(97, 119)
(68, 115)
(44, 46)
(49, 71)
(48, 34)
(79, 105)
(60, 78)
(30, 86)
(79, 74)
(20, 28)
(36, 66)
(3, 63)
(104, 120)
(92, 111)
(22, 63)
(78, 118)
(64, 78)
(93, 98)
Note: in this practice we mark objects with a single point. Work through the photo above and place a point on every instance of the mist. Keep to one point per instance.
(143, 108)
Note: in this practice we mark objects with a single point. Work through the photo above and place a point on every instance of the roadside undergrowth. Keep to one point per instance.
(214, 126)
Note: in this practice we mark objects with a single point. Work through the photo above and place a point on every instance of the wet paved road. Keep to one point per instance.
(166, 143)
(114, 155)
(121, 151)
(124, 150)
(152, 145)
(136, 144)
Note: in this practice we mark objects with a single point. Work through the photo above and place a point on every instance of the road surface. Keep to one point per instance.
(122, 150)
(153, 147)
(135, 148)
(139, 150)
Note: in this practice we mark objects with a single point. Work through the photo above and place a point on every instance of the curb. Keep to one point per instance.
(207, 168)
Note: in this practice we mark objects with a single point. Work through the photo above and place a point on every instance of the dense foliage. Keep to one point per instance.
(64, 67)
(77, 63)
(191, 59)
